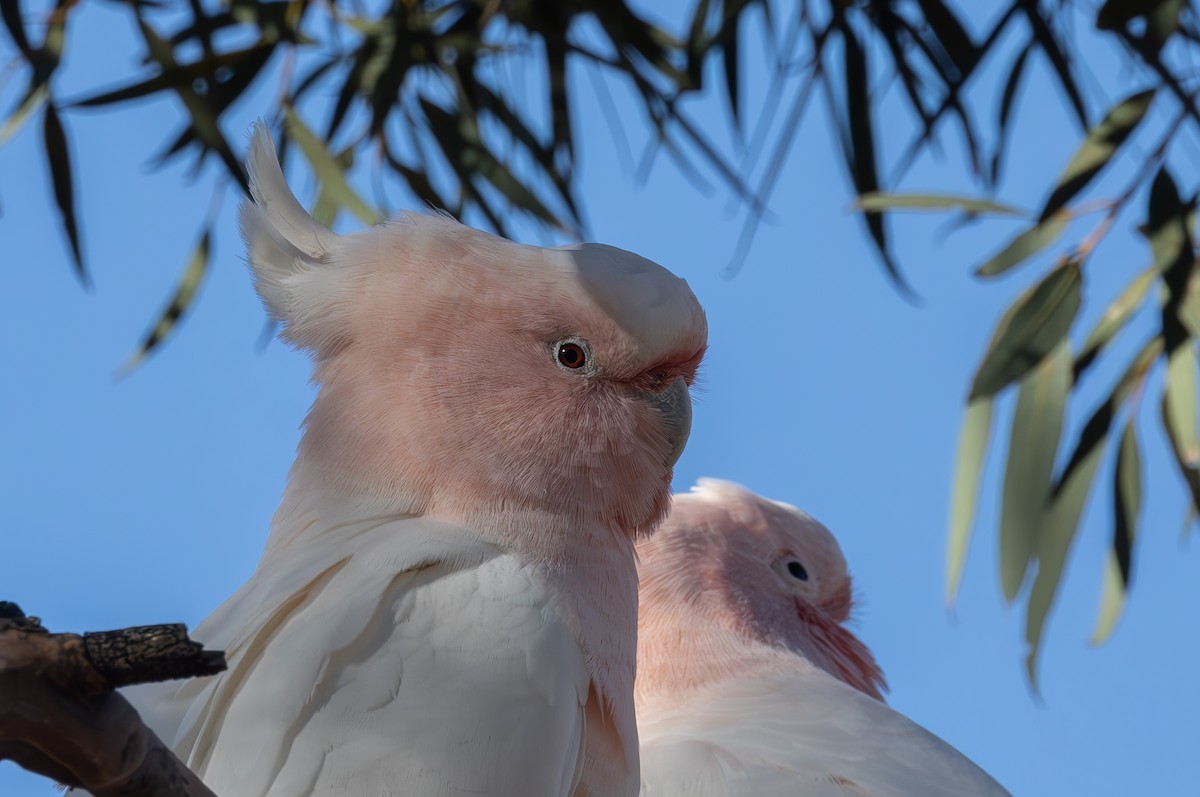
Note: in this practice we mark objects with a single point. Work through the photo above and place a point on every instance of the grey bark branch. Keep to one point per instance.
(61, 717)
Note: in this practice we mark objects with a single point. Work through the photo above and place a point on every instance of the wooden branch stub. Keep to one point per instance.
(60, 715)
(149, 653)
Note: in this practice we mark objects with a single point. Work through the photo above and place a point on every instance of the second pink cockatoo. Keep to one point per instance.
(447, 602)
(749, 684)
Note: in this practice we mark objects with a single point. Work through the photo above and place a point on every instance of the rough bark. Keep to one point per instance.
(61, 717)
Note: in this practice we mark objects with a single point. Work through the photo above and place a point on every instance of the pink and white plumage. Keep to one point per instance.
(447, 600)
(748, 682)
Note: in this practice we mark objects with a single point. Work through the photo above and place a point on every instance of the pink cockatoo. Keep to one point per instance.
(447, 602)
(749, 684)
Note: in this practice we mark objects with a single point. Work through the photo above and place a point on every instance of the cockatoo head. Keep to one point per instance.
(764, 568)
(475, 379)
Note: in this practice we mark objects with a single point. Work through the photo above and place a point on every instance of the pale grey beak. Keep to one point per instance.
(675, 405)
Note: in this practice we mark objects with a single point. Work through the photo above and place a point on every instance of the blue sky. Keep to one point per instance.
(147, 500)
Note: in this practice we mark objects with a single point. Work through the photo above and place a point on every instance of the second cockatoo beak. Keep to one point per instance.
(674, 404)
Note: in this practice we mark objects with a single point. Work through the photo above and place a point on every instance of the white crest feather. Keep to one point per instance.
(282, 240)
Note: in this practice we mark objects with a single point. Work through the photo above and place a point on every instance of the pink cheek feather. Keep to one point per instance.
(840, 652)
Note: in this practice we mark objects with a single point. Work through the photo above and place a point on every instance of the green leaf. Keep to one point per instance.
(877, 201)
(1098, 148)
(193, 275)
(327, 170)
(1030, 329)
(34, 99)
(1053, 545)
(1096, 429)
(968, 469)
(325, 209)
(1114, 318)
(1127, 503)
(1025, 245)
(1028, 479)
(59, 159)
(1179, 406)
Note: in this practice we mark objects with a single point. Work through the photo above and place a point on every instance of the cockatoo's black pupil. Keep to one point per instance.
(571, 355)
(798, 571)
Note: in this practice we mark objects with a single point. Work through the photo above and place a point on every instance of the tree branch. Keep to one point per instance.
(61, 717)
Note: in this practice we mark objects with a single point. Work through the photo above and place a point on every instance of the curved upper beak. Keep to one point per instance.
(674, 403)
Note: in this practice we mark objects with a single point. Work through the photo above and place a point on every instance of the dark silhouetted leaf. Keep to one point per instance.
(1097, 427)
(1028, 477)
(1004, 115)
(1162, 18)
(861, 155)
(185, 293)
(968, 469)
(1030, 330)
(1127, 503)
(1098, 148)
(1025, 245)
(1114, 318)
(951, 35)
(970, 205)
(59, 159)
(10, 12)
(1059, 61)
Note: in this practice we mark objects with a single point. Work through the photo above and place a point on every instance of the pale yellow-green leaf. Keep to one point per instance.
(1025, 245)
(1127, 502)
(328, 171)
(185, 292)
(1028, 478)
(32, 102)
(972, 449)
(1117, 314)
(875, 201)
(1180, 403)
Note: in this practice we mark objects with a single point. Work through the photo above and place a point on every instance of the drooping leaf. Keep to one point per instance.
(1179, 405)
(327, 170)
(180, 303)
(1004, 115)
(968, 469)
(325, 209)
(1030, 329)
(1162, 18)
(1028, 478)
(877, 201)
(1190, 474)
(861, 136)
(58, 157)
(1127, 502)
(1053, 546)
(1114, 318)
(1098, 148)
(1025, 245)
(33, 100)
(1046, 39)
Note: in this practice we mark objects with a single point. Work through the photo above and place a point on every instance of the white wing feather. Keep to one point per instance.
(426, 663)
(804, 735)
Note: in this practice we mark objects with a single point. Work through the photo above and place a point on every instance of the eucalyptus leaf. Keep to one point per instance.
(329, 171)
(876, 201)
(1114, 318)
(968, 469)
(1028, 479)
(1098, 148)
(1030, 329)
(1025, 245)
(180, 303)
(1127, 503)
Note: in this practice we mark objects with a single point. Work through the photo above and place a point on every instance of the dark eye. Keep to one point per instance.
(571, 355)
(797, 570)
